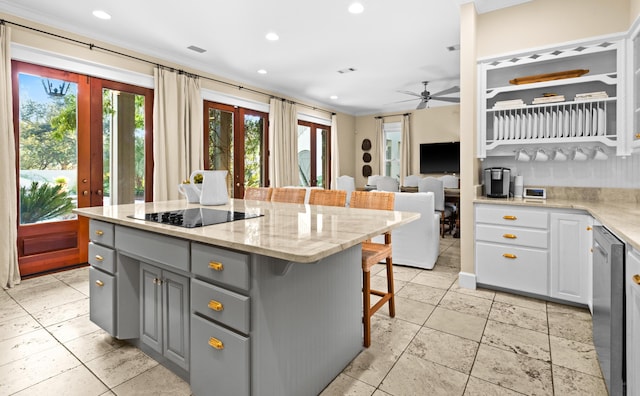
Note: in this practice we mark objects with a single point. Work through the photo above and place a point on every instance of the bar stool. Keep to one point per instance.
(288, 195)
(328, 197)
(258, 193)
(373, 253)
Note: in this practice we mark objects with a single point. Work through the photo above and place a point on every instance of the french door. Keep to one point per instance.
(314, 159)
(64, 126)
(236, 141)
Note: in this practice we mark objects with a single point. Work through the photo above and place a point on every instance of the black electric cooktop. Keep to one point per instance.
(194, 217)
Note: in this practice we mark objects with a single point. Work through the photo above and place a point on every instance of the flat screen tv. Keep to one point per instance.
(440, 157)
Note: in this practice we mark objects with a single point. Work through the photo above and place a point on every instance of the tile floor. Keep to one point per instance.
(443, 341)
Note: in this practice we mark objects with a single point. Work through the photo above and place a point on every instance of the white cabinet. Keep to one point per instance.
(632, 275)
(509, 118)
(534, 250)
(633, 49)
(570, 257)
(512, 248)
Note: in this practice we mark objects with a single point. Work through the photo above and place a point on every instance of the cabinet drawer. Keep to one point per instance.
(220, 266)
(102, 289)
(224, 370)
(101, 232)
(102, 257)
(513, 235)
(512, 216)
(162, 249)
(221, 305)
(526, 271)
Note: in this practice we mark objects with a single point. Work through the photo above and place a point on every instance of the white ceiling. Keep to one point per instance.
(393, 45)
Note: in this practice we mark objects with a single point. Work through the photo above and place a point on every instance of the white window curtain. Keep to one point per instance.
(9, 270)
(380, 145)
(283, 137)
(405, 148)
(335, 154)
(177, 131)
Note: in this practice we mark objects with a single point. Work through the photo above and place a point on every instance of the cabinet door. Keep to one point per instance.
(633, 322)
(151, 306)
(102, 311)
(175, 324)
(570, 244)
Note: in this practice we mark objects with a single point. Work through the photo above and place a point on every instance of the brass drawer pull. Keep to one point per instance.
(215, 305)
(509, 236)
(509, 217)
(215, 343)
(216, 266)
(637, 135)
(99, 232)
(636, 279)
(100, 283)
(589, 228)
(509, 255)
(99, 257)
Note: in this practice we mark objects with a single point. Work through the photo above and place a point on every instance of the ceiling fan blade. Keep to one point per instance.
(410, 93)
(422, 105)
(402, 101)
(447, 91)
(452, 100)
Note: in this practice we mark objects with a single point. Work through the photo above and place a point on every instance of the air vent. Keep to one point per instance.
(196, 49)
(347, 70)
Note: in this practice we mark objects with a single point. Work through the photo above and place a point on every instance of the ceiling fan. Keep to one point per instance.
(425, 96)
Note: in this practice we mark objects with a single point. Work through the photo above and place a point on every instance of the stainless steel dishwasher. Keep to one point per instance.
(609, 308)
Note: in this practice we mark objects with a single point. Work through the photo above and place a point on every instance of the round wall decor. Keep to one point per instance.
(366, 157)
(366, 144)
(366, 170)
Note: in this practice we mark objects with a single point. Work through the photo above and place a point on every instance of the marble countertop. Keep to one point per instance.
(293, 232)
(621, 217)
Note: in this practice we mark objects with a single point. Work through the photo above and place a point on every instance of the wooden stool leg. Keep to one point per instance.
(390, 289)
(366, 303)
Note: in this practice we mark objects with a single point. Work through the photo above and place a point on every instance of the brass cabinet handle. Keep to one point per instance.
(509, 255)
(99, 232)
(637, 135)
(100, 283)
(216, 266)
(589, 228)
(509, 217)
(215, 305)
(215, 343)
(636, 279)
(99, 257)
(509, 236)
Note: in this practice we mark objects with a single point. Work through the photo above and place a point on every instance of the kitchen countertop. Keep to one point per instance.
(293, 232)
(621, 217)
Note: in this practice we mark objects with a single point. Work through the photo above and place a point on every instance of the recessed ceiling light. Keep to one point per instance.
(271, 36)
(333, 97)
(262, 71)
(101, 14)
(356, 8)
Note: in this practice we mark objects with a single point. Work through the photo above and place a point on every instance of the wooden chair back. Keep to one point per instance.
(288, 195)
(328, 197)
(372, 200)
(258, 193)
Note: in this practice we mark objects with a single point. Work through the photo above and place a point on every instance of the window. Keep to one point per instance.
(393, 140)
(314, 160)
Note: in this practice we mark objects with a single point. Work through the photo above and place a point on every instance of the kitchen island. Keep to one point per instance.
(262, 306)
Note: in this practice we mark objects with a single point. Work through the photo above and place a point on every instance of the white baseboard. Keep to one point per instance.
(467, 280)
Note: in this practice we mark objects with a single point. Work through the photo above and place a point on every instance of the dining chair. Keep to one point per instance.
(387, 183)
(373, 253)
(328, 197)
(258, 193)
(436, 186)
(412, 180)
(288, 195)
(450, 181)
(348, 184)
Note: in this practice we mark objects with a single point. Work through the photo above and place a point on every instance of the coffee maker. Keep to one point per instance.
(496, 182)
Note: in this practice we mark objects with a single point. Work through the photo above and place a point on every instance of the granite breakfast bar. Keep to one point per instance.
(262, 306)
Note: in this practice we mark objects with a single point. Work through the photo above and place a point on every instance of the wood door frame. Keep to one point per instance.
(58, 232)
(238, 142)
(313, 155)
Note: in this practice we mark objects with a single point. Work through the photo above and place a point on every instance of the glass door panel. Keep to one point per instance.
(304, 155)
(254, 150)
(322, 163)
(124, 148)
(220, 142)
(313, 154)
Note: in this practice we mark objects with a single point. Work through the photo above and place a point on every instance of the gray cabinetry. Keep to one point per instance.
(632, 288)
(164, 313)
(102, 287)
